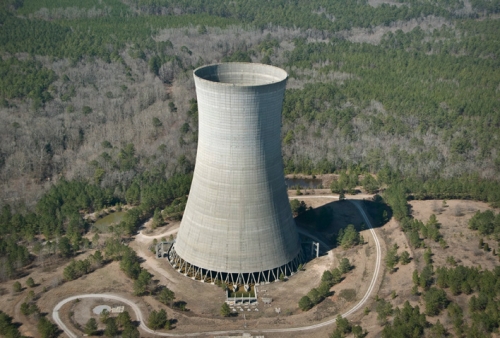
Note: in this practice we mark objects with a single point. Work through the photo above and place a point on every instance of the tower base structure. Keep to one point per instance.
(234, 278)
(238, 226)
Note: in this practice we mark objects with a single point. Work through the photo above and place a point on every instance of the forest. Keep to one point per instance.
(421, 101)
(97, 106)
(98, 110)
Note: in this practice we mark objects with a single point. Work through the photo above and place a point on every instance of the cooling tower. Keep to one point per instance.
(238, 226)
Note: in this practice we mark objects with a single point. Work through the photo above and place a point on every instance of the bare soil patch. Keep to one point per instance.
(82, 311)
(463, 243)
(204, 300)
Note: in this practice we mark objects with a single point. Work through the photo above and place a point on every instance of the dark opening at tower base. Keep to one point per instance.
(235, 278)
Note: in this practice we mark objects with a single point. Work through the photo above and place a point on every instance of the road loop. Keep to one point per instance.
(142, 326)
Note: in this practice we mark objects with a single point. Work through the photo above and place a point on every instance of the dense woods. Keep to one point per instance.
(421, 101)
(97, 109)
(97, 102)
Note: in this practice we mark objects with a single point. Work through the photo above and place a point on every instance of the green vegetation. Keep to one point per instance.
(157, 319)
(432, 94)
(435, 301)
(77, 268)
(25, 79)
(298, 207)
(17, 287)
(143, 283)
(483, 306)
(384, 309)
(349, 237)
(30, 308)
(225, 310)
(46, 328)
(8, 329)
(486, 223)
(111, 329)
(59, 212)
(328, 279)
(408, 322)
(414, 115)
(313, 14)
(166, 296)
(30, 282)
(405, 257)
(344, 328)
(423, 79)
(392, 258)
(345, 182)
(91, 327)
(344, 265)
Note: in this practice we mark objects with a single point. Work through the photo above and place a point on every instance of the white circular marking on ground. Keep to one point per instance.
(100, 308)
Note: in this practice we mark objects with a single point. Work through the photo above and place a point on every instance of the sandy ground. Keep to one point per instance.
(463, 243)
(204, 300)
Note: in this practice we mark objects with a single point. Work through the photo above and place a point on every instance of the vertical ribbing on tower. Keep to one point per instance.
(238, 217)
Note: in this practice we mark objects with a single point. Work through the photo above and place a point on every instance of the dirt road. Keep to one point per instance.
(135, 308)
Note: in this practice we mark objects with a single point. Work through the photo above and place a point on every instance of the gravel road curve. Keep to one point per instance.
(138, 313)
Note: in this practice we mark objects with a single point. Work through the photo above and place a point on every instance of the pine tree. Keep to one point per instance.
(91, 327)
(225, 310)
(305, 303)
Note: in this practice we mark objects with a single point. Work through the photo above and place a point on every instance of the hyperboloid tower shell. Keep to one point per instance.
(238, 226)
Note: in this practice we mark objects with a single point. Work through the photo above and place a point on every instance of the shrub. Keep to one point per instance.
(305, 303)
(435, 301)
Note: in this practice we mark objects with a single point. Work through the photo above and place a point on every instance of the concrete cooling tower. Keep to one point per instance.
(238, 226)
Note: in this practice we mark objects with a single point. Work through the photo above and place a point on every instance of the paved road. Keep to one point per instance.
(138, 313)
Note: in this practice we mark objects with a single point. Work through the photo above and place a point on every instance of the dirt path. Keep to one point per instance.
(144, 238)
(149, 261)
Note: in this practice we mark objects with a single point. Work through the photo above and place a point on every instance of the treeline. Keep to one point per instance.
(436, 89)
(58, 212)
(484, 309)
(318, 14)
(77, 268)
(19, 79)
(90, 36)
(74, 39)
(8, 329)
(483, 306)
(415, 76)
(328, 280)
(486, 223)
(465, 187)
(59, 215)
(26, 7)
(150, 193)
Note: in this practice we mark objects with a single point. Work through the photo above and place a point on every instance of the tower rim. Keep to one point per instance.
(254, 74)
